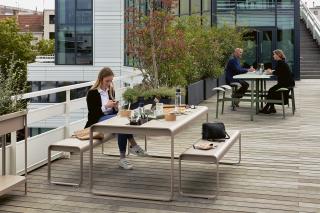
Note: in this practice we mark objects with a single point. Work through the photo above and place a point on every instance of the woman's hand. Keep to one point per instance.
(111, 104)
(268, 71)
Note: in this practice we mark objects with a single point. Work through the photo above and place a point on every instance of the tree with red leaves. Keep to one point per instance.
(156, 48)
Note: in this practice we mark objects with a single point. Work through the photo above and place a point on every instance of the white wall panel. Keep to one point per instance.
(107, 33)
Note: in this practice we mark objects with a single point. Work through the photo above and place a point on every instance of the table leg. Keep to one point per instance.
(172, 169)
(261, 92)
(169, 197)
(91, 159)
(257, 96)
(252, 99)
(3, 140)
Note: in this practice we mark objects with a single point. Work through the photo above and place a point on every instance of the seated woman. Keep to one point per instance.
(102, 106)
(285, 79)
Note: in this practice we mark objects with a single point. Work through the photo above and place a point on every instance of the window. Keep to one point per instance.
(74, 28)
(184, 7)
(51, 35)
(315, 12)
(51, 19)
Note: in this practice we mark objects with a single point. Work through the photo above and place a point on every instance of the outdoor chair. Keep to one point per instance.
(282, 90)
(223, 89)
(293, 101)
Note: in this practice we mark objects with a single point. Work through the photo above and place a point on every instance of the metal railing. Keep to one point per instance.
(44, 59)
(38, 145)
(312, 23)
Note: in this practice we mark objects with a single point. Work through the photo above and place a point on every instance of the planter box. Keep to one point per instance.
(149, 101)
(11, 123)
(209, 84)
(222, 79)
(195, 93)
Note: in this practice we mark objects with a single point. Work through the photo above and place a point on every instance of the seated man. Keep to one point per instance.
(234, 68)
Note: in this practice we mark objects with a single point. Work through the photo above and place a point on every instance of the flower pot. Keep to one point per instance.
(125, 113)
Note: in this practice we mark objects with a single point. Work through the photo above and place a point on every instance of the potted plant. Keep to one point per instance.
(147, 95)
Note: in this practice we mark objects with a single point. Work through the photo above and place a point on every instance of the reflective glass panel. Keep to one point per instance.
(195, 6)
(74, 32)
(84, 4)
(256, 13)
(226, 12)
(84, 49)
(184, 7)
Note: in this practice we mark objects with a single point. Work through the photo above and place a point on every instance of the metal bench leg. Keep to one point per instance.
(218, 181)
(217, 107)
(49, 165)
(81, 168)
(180, 191)
(64, 183)
(293, 102)
(198, 195)
(222, 106)
(239, 159)
(283, 110)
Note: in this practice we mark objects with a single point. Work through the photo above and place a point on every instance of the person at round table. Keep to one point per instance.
(233, 68)
(102, 105)
(285, 79)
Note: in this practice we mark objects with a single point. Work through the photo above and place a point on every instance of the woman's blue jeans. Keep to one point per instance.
(122, 138)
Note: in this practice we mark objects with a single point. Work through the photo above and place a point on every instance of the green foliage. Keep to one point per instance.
(131, 94)
(16, 52)
(175, 51)
(11, 87)
(14, 43)
(208, 48)
(157, 47)
(45, 47)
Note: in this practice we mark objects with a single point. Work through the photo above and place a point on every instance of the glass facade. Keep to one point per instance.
(272, 24)
(74, 32)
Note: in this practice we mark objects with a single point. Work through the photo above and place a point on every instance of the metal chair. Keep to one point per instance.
(293, 101)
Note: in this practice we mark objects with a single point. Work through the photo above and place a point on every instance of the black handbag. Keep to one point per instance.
(214, 131)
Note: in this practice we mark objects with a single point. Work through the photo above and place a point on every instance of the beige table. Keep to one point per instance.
(256, 80)
(152, 128)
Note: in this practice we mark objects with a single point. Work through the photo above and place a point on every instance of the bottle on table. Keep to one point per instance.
(177, 101)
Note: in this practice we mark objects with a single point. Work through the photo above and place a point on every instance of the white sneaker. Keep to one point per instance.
(125, 164)
(137, 150)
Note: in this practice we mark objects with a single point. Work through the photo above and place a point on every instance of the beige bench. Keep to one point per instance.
(73, 145)
(213, 156)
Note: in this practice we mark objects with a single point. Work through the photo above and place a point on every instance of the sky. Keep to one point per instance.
(49, 4)
(30, 4)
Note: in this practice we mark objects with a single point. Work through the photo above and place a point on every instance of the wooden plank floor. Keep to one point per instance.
(280, 169)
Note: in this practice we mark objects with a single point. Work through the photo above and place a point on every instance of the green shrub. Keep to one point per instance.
(131, 95)
(11, 86)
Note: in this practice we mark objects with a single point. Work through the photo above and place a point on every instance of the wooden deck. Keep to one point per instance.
(280, 169)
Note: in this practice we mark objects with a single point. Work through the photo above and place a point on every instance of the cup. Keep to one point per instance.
(125, 113)
(170, 117)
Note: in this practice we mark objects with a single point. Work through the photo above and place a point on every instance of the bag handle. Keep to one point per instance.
(227, 135)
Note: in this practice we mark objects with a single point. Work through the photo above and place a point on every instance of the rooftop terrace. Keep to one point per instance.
(279, 172)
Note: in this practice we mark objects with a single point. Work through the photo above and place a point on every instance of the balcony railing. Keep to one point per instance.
(44, 59)
(38, 145)
(312, 23)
